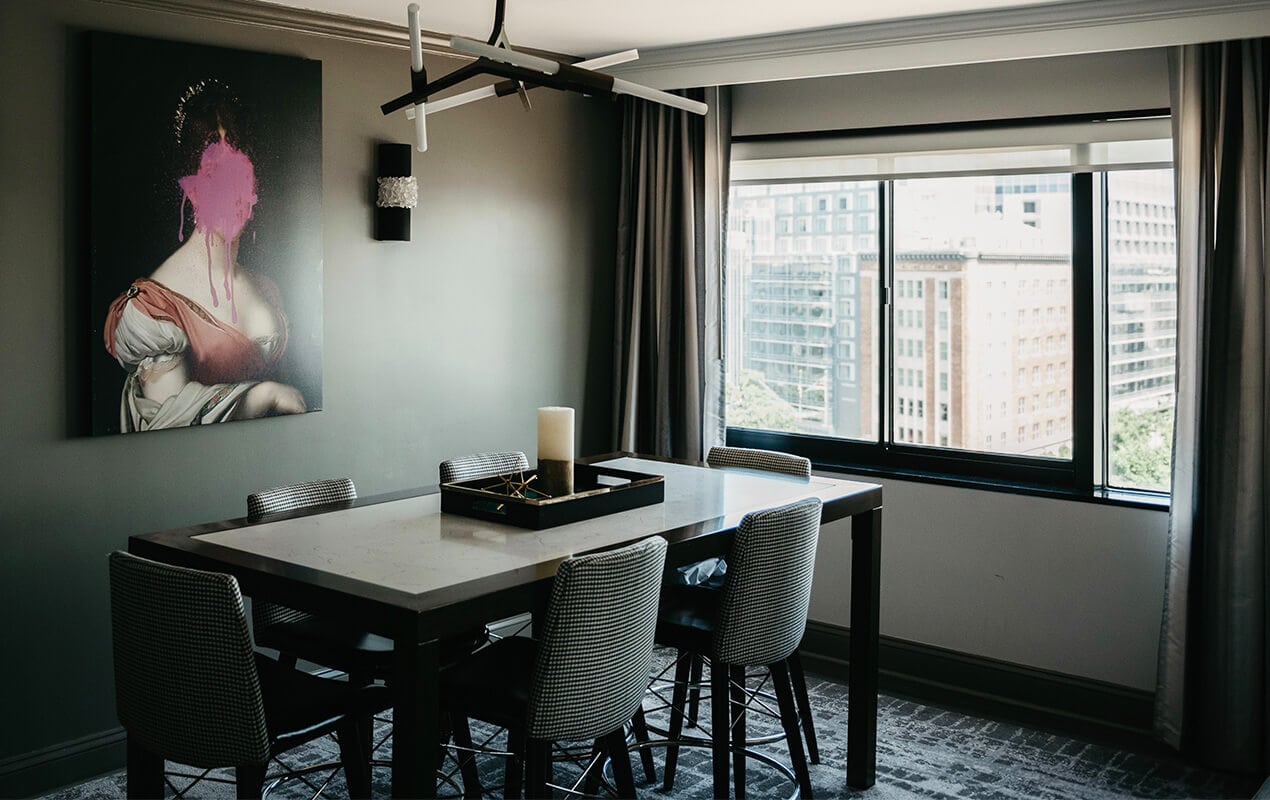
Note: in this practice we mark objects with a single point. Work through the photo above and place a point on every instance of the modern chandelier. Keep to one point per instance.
(519, 70)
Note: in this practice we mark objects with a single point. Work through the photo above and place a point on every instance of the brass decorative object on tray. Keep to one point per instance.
(516, 499)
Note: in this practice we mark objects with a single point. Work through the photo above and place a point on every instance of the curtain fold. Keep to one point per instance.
(1213, 692)
(668, 388)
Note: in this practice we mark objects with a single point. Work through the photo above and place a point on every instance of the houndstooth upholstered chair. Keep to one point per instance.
(190, 688)
(296, 634)
(482, 465)
(578, 681)
(757, 620)
(300, 495)
(765, 460)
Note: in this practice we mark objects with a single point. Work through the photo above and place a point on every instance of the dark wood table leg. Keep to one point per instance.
(862, 677)
(414, 719)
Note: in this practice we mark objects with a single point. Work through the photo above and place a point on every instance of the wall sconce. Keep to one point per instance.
(397, 193)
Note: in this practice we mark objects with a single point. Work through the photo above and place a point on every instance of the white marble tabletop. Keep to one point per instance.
(409, 546)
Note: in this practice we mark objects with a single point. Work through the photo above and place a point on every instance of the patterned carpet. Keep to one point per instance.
(923, 752)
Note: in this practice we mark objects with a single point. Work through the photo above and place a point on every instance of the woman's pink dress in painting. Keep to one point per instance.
(151, 329)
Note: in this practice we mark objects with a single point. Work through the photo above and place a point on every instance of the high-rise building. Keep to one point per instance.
(981, 308)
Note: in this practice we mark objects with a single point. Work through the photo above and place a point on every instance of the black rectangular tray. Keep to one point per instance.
(597, 491)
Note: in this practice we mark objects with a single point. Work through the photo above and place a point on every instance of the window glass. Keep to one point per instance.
(1142, 331)
(1008, 256)
(802, 320)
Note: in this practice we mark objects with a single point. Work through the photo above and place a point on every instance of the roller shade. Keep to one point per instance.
(1065, 147)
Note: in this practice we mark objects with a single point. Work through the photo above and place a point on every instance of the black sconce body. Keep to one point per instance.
(392, 211)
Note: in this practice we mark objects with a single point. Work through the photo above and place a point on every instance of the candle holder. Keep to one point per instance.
(555, 478)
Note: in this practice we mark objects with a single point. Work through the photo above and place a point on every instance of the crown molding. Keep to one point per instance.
(1039, 31)
(313, 23)
(1086, 26)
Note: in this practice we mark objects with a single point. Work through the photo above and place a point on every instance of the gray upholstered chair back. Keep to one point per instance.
(591, 669)
(764, 609)
(299, 495)
(766, 460)
(481, 465)
(186, 686)
(292, 498)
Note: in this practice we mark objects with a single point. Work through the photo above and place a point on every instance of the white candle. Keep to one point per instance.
(555, 434)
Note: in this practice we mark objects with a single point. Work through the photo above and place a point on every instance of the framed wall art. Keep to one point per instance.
(205, 207)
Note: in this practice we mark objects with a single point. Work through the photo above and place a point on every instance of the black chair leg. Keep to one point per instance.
(694, 688)
(250, 781)
(804, 706)
(595, 767)
(538, 768)
(515, 774)
(622, 774)
(355, 756)
(466, 756)
(789, 721)
(640, 728)
(720, 717)
(677, 697)
(145, 773)
(367, 724)
(737, 696)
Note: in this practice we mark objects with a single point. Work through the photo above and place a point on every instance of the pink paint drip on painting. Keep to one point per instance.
(223, 193)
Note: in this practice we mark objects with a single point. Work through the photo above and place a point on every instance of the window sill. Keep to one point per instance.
(1125, 498)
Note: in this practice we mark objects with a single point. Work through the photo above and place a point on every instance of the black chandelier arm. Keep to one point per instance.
(568, 78)
(577, 79)
(420, 94)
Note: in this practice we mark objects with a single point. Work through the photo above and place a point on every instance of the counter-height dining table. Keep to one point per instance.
(396, 565)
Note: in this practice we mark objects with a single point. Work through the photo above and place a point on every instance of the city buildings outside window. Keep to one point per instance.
(997, 255)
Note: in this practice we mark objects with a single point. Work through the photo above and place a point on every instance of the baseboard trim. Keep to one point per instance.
(1097, 710)
(43, 770)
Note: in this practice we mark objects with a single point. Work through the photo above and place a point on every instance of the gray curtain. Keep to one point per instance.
(1213, 694)
(668, 387)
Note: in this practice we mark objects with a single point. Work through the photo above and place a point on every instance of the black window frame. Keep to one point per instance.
(1075, 477)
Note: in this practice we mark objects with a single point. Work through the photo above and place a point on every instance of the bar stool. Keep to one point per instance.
(582, 679)
(758, 620)
(765, 461)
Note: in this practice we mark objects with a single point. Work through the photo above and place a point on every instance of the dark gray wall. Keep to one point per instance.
(433, 348)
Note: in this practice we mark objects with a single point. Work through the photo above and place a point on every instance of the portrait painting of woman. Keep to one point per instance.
(206, 235)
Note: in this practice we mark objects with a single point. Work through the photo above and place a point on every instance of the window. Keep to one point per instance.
(1023, 324)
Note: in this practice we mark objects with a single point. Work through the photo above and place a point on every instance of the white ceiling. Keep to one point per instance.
(593, 27)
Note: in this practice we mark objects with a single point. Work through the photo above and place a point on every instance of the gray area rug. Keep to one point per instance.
(923, 752)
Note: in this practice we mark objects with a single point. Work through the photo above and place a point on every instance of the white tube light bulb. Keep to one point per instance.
(600, 62)
(421, 127)
(504, 55)
(416, 41)
(657, 96)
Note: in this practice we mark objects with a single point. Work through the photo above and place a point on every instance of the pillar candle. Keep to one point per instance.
(555, 450)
